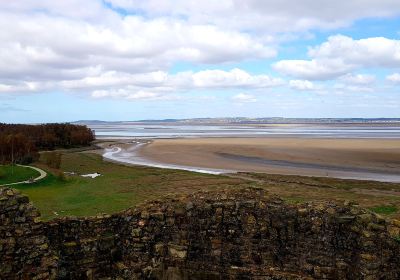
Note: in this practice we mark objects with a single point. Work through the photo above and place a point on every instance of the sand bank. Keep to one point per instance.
(373, 159)
(130, 156)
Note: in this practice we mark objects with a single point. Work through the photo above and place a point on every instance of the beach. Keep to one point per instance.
(370, 152)
(377, 159)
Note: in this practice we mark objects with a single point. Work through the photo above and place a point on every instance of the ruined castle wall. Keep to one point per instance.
(243, 234)
(24, 247)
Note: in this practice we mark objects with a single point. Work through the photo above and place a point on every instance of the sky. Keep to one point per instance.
(69, 60)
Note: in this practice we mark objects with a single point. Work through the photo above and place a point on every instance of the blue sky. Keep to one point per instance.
(131, 60)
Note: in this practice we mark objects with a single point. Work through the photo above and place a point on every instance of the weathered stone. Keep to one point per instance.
(70, 244)
(345, 219)
(189, 206)
(136, 232)
(159, 248)
(251, 219)
(9, 192)
(367, 257)
(396, 223)
(158, 216)
(376, 227)
(236, 234)
(177, 251)
(170, 221)
(366, 218)
(145, 215)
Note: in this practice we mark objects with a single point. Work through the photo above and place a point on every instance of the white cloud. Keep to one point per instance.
(358, 79)
(132, 94)
(340, 88)
(313, 69)
(46, 46)
(355, 83)
(244, 98)
(394, 78)
(121, 84)
(182, 81)
(118, 79)
(368, 52)
(341, 55)
(86, 47)
(232, 79)
(88, 9)
(266, 15)
(130, 44)
(302, 85)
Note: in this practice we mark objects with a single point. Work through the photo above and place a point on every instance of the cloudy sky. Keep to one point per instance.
(69, 60)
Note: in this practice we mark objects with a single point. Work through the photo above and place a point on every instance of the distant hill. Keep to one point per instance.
(243, 120)
(86, 122)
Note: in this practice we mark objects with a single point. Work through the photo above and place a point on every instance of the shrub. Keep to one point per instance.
(53, 159)
(61, 176)
(26, 159)
(2, 174)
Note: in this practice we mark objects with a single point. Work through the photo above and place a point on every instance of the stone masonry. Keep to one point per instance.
(233, 234)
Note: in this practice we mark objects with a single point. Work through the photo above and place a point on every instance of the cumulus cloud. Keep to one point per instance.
(394, 78)
(46, 46)
(65, 48)
(205, 79)
(88, 9)
(153, 85)
(265, 15)
(368, 52)
(358, 79)
(346, 88)
(131, 94)
(244, 98)
(340, 55)
(313, 69)
(232, 79)
(302, 85)
(88, 46)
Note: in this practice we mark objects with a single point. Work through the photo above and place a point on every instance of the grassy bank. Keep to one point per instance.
(120, 187)
(381, 198)
(12, 174)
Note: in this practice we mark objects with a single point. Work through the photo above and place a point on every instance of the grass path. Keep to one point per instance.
(22, 175)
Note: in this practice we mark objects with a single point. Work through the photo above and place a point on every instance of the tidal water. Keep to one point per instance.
(147, 131)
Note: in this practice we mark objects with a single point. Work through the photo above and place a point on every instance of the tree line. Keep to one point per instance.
(20, 143)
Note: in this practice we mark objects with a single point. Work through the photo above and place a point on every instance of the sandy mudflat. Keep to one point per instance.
(346, 158)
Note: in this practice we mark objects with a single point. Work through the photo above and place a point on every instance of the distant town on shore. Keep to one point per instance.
(244, 120)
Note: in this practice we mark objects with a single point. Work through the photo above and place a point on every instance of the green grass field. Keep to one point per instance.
(12, 174)
(119, 187)
(384, 209)
(379, 197)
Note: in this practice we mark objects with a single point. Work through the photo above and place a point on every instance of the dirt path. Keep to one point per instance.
(42, 175)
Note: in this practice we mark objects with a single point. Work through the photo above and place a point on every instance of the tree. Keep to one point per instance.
(20, 143)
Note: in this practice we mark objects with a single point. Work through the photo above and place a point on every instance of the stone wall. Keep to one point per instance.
(242, 234)
(24, 247)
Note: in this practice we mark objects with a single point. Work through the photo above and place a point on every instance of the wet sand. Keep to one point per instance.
(372, 159)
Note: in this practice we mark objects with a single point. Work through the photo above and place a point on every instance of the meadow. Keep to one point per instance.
(12, 174)
(120, 187)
